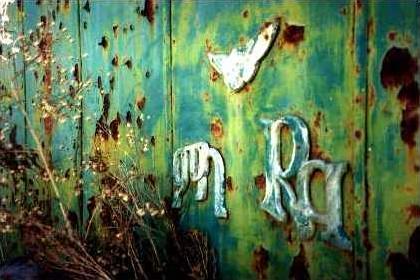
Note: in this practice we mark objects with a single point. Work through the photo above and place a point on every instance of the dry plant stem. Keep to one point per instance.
(54, 185)
(85, 260)
(44, 160)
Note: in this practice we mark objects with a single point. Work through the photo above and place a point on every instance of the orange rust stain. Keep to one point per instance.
(260, 260)
(216, 128)
(140, 102)
(359, 4)
(413, 211)
(229, 184)
(300, 265)
(392, 35)
(293, 34)
(149, 10)
(259, 181)
(48, 124)
(214, 75)
(247, 88)
(317, 121)
(245, 13)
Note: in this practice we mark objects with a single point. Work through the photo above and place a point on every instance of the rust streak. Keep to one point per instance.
(299, 268)
(413, 212)
(260, 258)
(148, 11)
(229, 184)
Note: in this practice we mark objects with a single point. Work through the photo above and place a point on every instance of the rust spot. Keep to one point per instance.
(214, 75)
(114, 127)
(102, 129)
(66, 4)
(359, 4)
(403, 267)
(141, 102)
(247, 88)
(112, 82)
(86, 6)
(147, 74)
(259, 181)
(392, 35)
(148, 10)
(299, 268)
(115, 61)
(366, 241)
(103, 42)
(48, 124)
(260, 258)
(317, 121)
(398, 68)
(245, 13)
(216, 128)
(76, 74)
(409, 96)
(115, 30)
(293, 34)
(128, 117)
(20, 5)
(358, 134)
(129, 64)
(315, 149)
(413, 212)
(229, 184)
(100, 82)
(153, 141)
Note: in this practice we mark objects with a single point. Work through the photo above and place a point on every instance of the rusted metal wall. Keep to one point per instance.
(348, 69)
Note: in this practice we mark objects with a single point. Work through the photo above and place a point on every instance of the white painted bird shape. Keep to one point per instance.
(241, 65)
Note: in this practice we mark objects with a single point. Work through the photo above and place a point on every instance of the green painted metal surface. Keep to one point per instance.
(153, 91)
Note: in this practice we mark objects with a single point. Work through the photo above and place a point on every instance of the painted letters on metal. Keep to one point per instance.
(191, 164)
(301, 209)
